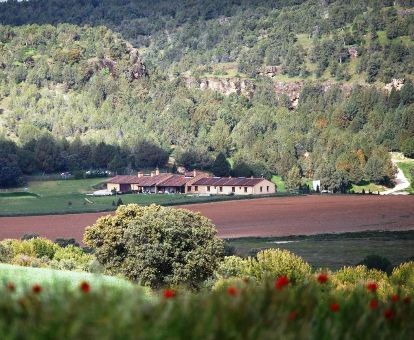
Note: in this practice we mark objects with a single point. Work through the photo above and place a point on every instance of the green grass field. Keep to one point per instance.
(335, 250)
(406, 166)
(280, 184)
(69, 196)
(374, 188)
(28, 276)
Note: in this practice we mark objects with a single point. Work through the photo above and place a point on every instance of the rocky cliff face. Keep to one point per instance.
(137, 68)
(225, 86)
(247, 87)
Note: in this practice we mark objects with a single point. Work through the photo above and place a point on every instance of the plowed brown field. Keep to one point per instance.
(259, 217)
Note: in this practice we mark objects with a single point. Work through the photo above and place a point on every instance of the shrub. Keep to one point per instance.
(35, 247)
(157, 246)
(377, 262)
(73, 253)
(28, 261)
(404, 275)
(6, 253)
(64, 242)
(269, 263)
(272, 263)
(348, 278)
(18, 247)
(232, 266)
(29, 236)
(44, 247)
(358, 274)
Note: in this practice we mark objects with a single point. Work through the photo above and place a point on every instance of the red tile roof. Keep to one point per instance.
(163, 180)
(174, 181)
(226, 181)
(123, 180)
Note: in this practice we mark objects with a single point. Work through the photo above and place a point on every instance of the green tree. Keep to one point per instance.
(407, 93)
(156, 246)
(375, 169)
(221, 166)
(241, 169)
(407, 147)
(293, 178)
(149, 155)
(10, 172)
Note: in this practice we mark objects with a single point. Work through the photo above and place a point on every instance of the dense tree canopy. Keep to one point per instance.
(157, 246)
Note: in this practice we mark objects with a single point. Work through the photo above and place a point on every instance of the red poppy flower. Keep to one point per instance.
(37, 289)
(373, 304)
(407, 300)
(293, 315)
(372, 287)
(395, 298)
(281, 282)
(322, 278)
(169, 293)
(11, 287)
(232, 291)
(334, 307)
(389, 314)
(85, 287)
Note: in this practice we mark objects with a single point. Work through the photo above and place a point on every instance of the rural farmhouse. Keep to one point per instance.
(194, 182)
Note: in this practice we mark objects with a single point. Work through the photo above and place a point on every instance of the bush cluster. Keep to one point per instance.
(269, 263)
(41, 252)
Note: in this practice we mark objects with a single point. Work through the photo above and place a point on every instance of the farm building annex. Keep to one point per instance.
(193, 182)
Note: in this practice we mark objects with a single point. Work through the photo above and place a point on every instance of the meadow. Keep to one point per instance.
(334, 251)
(69, 196)
(406, 167)
(323, 306)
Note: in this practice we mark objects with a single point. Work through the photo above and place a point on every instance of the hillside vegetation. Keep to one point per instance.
(88, 85)
(303, 37)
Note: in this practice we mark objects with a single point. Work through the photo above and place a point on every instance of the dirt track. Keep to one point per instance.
(260, 217)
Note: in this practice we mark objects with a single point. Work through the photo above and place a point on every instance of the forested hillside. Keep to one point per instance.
(306, 39)
(61, 79)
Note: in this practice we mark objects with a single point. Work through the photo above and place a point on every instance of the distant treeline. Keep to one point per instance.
(49, 155)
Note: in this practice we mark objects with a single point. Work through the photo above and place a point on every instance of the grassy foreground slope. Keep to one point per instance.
(27, 276)
(281, 309)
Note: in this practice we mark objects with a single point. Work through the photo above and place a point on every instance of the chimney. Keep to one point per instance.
(140, 174)
(194, 173)
(152, 173)
(157, 171)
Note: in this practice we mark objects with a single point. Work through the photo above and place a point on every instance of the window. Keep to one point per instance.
(261, 189)
(208, 188)
(233, 189)
(221, 189)
(196, 188)
(188, 189)
(267, 188)
(245, 189)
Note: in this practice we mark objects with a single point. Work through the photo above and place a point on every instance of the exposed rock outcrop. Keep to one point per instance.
(138, 68)
(247, 87)
(225, 86)
(395, 83)
(134, 69)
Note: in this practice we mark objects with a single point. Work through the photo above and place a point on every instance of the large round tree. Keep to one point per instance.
(156, 246)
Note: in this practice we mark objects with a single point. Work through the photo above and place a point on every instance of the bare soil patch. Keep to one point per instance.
(276, 216)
